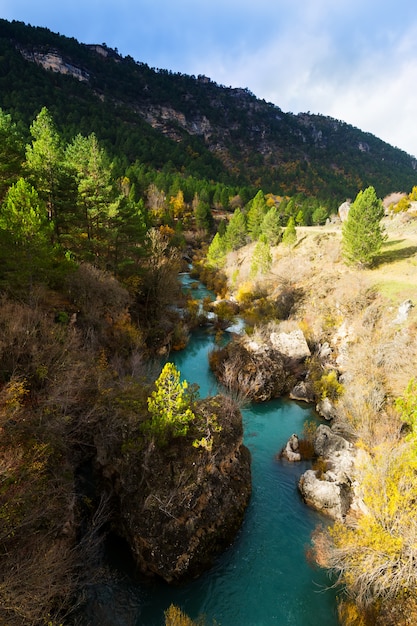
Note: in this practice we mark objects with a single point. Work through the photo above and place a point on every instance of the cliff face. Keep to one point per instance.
(185, 504)
(237, 136)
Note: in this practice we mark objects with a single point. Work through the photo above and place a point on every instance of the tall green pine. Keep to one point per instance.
(362, 233)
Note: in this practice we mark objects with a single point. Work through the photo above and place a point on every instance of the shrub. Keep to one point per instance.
(328, 386)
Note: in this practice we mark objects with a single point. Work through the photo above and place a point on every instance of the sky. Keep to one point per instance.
(353, 60)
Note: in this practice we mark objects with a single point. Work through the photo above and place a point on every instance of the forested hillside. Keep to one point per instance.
(113, 177)
(190, 124)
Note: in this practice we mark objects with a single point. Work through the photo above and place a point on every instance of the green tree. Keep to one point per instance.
(97, 199)
(45, 163)
(261, 258)
(170, 405)
(270, 227)
(25, 233)
(216, 253)
(319, 215)
(236, 233)
(289, 237)
(362, 234)
(11, 152)
(202, 214)
(299, 218)
(256, 213)
(130, 228)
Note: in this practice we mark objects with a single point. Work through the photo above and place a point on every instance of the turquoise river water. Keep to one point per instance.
(263, 579)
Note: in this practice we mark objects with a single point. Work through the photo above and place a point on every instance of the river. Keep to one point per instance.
(264, 578)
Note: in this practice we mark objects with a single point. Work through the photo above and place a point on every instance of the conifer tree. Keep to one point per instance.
(97, 200)
(202, 214)
(11, 152)
(236, 233)
(289, 237)
(362, 234)
(217, 250)
(25, 249)
(271, 228)
(45, 163)
(170, 405)
(257, 211)
(261, 258)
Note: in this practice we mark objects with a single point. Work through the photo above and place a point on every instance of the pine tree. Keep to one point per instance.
(202, 214)
(216, 253)
(98, 199)
(261, 258)
(289, 237)
(11, 152)
(236, 233)
(45, 163)
(257, 211)
(25, 233)
(362, 234)
(271, 228)
(170, 405)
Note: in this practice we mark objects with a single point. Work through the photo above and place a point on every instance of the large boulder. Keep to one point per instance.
(251, 370)
(403, 311)
(303, 391)
(291, 451)
(325, 408)
(292, 345)
(343, 211)
(185, 504)
(330, 488)
(263, 367)
(322, 495)
(326, 442)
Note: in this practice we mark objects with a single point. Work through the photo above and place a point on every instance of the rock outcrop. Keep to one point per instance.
(186, 503)
(291, 452)
(331, 488)
(303, 391)
(343, 210)
(292, 345)
(325, 408)
(262, 368)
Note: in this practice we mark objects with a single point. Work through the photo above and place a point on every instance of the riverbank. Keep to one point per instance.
(361, 329)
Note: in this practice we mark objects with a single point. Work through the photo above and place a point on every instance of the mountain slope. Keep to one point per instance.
(189, 123)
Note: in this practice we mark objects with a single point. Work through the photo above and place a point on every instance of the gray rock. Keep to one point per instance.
(343, 211)
(322, 495)
(332, 490)
(303, 392)
(326, 442)
(403, 311)
(291, 451)
(292, 345)
(326, 409)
